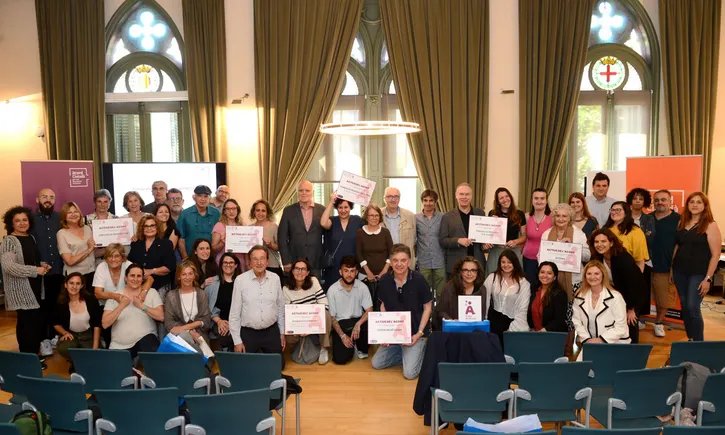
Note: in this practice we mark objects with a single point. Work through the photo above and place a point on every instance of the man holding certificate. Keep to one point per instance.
(406, 291)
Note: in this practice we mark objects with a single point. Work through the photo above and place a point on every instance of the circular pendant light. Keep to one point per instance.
(369, 128)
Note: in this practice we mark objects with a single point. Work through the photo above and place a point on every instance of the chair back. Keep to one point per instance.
(569, 430)
(645, 392)
(694, 430)
(8, 429)
(250, 371)
(553, 387)
(158, 405)
(18, 363)
(60, 399)
(710, 354)
(178, 370)
(102, 369)
(534, 346)
(238, 412)
(608, 359)
(714, 392)
(474, 387)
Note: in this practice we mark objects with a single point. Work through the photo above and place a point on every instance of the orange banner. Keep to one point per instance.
(681, 175)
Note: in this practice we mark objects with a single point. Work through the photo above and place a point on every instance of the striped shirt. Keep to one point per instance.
(313, 295)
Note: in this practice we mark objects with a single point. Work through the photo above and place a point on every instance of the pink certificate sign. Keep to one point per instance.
(304, 319)
(107, 231)
(355, 188)
(488, 229)
(389, 327)
(566, 256)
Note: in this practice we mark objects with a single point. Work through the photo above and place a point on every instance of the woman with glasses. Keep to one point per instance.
(302, 287)
(340, 234)
(372, 246)
(468, 277)
(231, 216)
(549, 304)
(219, 294)
(154, 253)
(632, 237)
(262, 215)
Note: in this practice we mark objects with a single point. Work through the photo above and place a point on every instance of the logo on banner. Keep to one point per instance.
(78, 177)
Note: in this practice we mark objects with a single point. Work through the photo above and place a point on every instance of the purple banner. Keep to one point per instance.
(70, 180)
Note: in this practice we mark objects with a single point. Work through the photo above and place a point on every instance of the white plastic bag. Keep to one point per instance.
(524, 423)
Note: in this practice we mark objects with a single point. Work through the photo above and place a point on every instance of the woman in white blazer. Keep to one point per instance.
(600, 313)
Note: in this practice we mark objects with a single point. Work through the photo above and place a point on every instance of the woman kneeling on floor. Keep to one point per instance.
(77, 316)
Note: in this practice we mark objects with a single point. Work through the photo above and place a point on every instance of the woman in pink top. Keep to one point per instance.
(539, 220)
(231, 215)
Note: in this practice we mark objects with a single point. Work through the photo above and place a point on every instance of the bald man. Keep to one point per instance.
(222, 194)
(399, 221)
(300, 234)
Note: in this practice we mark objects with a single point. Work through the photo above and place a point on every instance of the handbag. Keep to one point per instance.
(328, 260)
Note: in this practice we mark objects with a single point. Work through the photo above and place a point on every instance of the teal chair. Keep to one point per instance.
(101, 369)
(241, 413)
(159, 416)
(8, 429)
(584, 431)
(638, 398)
(63, 400)
(184, 371)
(17, 363)
(554, 391)
(710, 354)
(8, 411)
(694, 430)
(471, 390)
(608, 359)
(254, 371)
(711, 409)
(542, 347)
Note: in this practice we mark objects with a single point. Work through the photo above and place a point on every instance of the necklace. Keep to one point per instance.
(538, 222)
(187, 314)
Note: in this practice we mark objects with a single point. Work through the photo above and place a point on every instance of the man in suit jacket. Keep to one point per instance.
(399, 221)
(300, 233)
(454, 230)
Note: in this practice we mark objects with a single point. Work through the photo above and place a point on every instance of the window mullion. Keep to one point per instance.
(610, 129)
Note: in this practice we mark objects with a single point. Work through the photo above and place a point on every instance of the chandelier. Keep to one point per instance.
(369, 128)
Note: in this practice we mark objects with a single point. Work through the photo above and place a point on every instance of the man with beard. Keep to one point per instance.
(349, 301)
(175, 201)
(45, 230)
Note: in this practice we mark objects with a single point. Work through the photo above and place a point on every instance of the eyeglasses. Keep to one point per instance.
(392, 196)
(469, 271)
(150, 226)
(230, 209)
(616, 210)
(300, 269)
(229, 263)
(175, 199)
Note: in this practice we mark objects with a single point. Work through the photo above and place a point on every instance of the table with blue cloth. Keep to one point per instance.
(454, 347)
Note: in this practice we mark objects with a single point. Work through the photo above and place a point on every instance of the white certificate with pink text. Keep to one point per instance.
(566, 256)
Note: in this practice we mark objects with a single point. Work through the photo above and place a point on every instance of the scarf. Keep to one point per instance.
(564, 277)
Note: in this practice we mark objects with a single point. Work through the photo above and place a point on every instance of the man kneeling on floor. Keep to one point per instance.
(405, 290)
(350, 302)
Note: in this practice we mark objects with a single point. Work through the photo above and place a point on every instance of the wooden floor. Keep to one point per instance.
(355, 399)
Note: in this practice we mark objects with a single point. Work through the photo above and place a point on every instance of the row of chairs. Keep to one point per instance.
(185, 374)
(669, 430)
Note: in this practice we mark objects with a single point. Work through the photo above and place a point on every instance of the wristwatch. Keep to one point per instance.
(708, 279)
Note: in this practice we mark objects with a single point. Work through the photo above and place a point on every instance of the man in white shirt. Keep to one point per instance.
(256, 316)
(598, 202)
(350, 302)
(399, 221)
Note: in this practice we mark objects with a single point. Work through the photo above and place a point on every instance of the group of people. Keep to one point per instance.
(178, 277)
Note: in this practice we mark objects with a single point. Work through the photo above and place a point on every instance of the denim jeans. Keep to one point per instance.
(411, 357)
(690, 299)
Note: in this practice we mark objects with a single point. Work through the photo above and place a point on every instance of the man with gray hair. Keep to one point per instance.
(300, 233)
(159, 189)
(102, 202)
(399, 221)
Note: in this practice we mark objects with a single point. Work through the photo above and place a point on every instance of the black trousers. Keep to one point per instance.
(342, 354)
(262, 340)
(277, 271)
(222, 341)
(149, 343)
(30, 330)
(52, 284)
(634, 330)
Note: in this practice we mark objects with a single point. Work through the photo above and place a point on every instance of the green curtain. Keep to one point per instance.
(72, 70)
(300, 58)
(690, 35)
(439, 59)
(553, 40)
(206, 74)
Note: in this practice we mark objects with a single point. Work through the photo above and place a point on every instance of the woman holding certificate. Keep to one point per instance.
(632, 237)
(505, 207)
(468, 277)
(623, 273)
(509, 295)
(339, 237)
(75, 243)
(231, 216)
(600, 313)
(186, 311)
(372, 247)
(154, 253)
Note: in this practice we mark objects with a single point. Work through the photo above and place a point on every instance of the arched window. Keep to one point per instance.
(619, 93)
(145, 57)
(367, 93)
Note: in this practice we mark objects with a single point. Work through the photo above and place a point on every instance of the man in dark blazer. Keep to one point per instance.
(300, 233)
(454, 230)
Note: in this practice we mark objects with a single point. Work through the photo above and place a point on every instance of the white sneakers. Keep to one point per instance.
(54, 342)
(46, 349)
(360, 355)
(642, 325)
(659, 330)
(324, 356)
